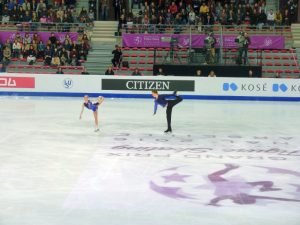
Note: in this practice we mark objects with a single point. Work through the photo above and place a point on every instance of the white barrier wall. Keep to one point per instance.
(132, 86)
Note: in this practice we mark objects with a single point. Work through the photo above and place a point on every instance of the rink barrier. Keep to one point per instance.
(144, 96)
(251, 89)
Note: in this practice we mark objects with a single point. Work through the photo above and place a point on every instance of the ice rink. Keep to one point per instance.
(226, 163)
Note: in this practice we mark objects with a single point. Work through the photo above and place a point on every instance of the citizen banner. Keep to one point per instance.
(144, 85)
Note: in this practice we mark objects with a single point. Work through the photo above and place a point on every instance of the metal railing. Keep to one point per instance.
(54, 27)
(202, 56)
(198, 53)
(202, 29)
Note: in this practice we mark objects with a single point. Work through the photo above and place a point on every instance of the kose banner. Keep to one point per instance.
(17, 82)
(259, 87)
(143, 85)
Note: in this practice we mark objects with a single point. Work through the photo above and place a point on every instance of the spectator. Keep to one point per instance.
(208, 22)
(6, 55)
(5, 15)
(277, 75)
(64, 57)
(16, 47)
(67, 45)
(192, 17)
(117, 9)
(160, 72)
(85, 72)
(292, 9)
(261, 20)
(204, 10)
(40, 49)
(83, 49)
(212, 74)
(104, 9)
(53, 39)
(40, 6)
(117, 58)
(250, 73)
(286, 18)
(198, 73)
(173, 9)
(59, 71)
(278, 18)
(74, 57)
(31, 58)
(231, 19)
(109, 71)
(91, 15)
(271, 18)
(1, 52)
(48, 56)
(254, 18)
(122, 23)
(55, 58)
(136, 72)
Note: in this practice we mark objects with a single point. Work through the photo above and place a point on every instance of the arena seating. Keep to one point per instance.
(21, 66)
(283, 61)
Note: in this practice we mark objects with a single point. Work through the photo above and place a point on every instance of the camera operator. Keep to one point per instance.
(173, 47)
(210, 51)
(243, 42)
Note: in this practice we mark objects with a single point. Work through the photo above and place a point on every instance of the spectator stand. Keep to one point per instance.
(283, 59)
(74, 41)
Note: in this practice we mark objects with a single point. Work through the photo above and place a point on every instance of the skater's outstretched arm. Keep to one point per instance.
(100, 100)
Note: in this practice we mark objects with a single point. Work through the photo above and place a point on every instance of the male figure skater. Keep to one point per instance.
(166, 100)
(92, 106)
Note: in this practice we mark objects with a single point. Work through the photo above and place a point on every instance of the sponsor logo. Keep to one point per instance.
(68, 83)
(230, 86)
(260, 87)
(268, 42)
(137, 40)
(217, 185)
(280, 87)
(145, 85)
(17, 82)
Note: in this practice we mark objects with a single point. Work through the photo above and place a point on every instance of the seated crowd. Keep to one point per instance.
(53, 53)
(207, 12)
(42, 11)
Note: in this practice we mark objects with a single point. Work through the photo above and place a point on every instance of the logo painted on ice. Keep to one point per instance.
(228, 184)
(68, 83)
(279, 87)
(229, 86)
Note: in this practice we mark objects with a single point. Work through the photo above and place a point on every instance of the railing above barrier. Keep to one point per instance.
(37, 26)
(202, 29)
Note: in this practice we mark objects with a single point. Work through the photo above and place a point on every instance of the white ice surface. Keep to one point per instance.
(55, 170)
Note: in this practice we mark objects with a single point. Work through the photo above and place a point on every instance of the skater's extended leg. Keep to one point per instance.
(169, 118)
(96, 120)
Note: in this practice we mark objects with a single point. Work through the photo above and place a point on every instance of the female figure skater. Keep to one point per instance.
(92, 106)
(166, 100)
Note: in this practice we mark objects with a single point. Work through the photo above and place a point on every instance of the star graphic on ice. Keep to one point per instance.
(175, 177)
(171, 192)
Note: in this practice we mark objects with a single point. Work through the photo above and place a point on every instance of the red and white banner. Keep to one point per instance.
(17, 82)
